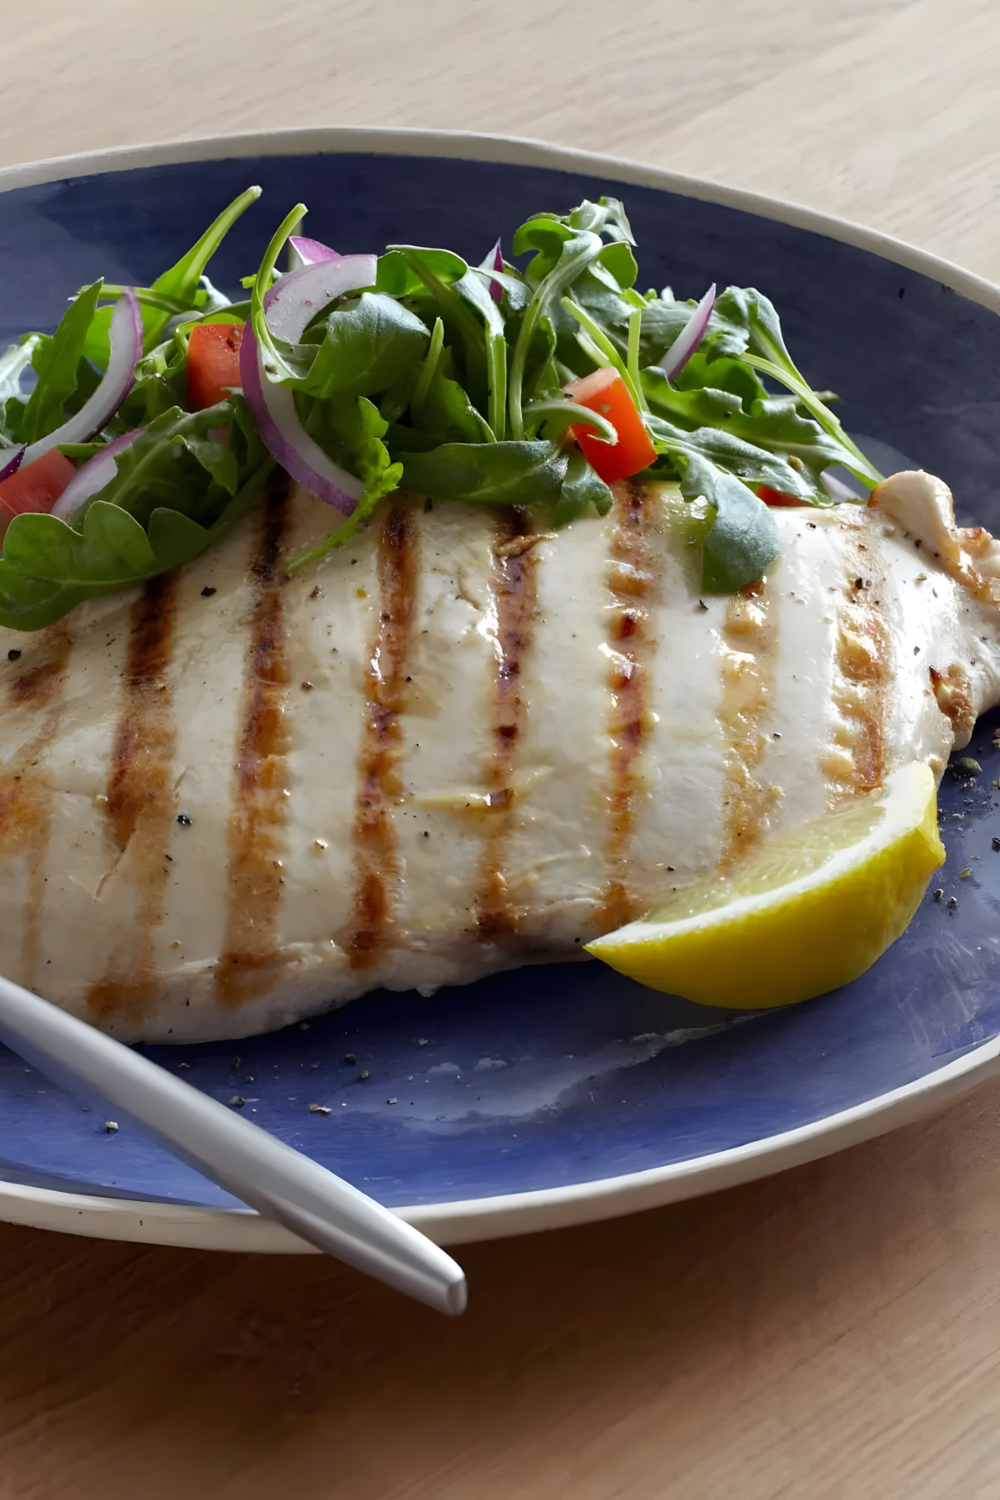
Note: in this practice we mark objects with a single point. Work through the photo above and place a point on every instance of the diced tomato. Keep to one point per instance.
(213, 363)
(606, 393)
(777, 497)
(36, 487)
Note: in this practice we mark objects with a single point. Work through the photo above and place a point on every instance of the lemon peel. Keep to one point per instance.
(808, 912)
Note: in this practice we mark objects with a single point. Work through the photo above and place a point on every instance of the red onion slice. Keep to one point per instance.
(687, 341)
(91, 477)
(294, 300)
(273, 408)
(494, 262)
(289, 306)
(12, 465)
(126, 349)
(312, 251)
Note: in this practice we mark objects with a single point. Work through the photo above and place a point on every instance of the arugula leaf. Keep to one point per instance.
(567, 247)
(475, 291)
(176, 488)
(721, 373)
(582, 488)
(424, 374)
(496, 375)
(447, 412)
(729, 454)
(743, 319)
(56, 362)
(181, 281)
(217, 459)
(604, 289)
(183, 289)
(160, 316)
(547, 231)
(615, 266)
(745, 323)
(398, 273)
(442, 273)
(607, 351)
(160, 385)
(546, 234)
(272, 348)
(507, 473)
(14, 360)
(33, 603)
(553, 414)
(358, 518)
(528, 473)
(13, 363)
(518, 293)
(575, 253)
(49, 566)
(772, 425)
(539, 369)
(111, 548)
(744, 539)
(177, 464)
(351, 430)
(357, 437)
(366, 348)
(160, 379)
(185, 286)
(402, 439)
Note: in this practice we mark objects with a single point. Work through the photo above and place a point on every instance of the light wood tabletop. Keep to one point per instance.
(832, 1333)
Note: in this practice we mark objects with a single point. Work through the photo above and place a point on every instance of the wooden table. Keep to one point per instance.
(832, 1333)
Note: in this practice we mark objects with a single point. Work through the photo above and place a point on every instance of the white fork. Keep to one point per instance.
(280, 1183)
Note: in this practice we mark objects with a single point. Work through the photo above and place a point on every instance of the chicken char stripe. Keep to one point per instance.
(256, 829)
(634, 591)
(25, 796)
(514, 587)
(747, 670)
(139, 802)
(862, 661)
(377, 867)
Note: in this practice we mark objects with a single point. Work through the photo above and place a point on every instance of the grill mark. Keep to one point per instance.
(376, 863)
(255, 835)
(514, 589)
(25, 796)
(36, 687)
(747, 684)
(863, 659)
(140, 799)
(633, 588)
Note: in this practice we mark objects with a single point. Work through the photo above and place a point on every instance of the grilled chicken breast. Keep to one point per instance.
(461, 744)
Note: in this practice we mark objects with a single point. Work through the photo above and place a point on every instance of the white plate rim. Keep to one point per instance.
(469, 1220)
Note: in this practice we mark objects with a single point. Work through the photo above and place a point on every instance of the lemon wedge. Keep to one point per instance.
(809, 911)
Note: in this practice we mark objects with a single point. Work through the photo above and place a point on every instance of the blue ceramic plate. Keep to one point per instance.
(559, 1094)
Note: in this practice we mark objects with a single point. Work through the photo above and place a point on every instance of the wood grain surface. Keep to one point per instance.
(832, 1333)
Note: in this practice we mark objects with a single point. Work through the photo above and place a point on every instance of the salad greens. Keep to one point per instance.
(440, 377)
